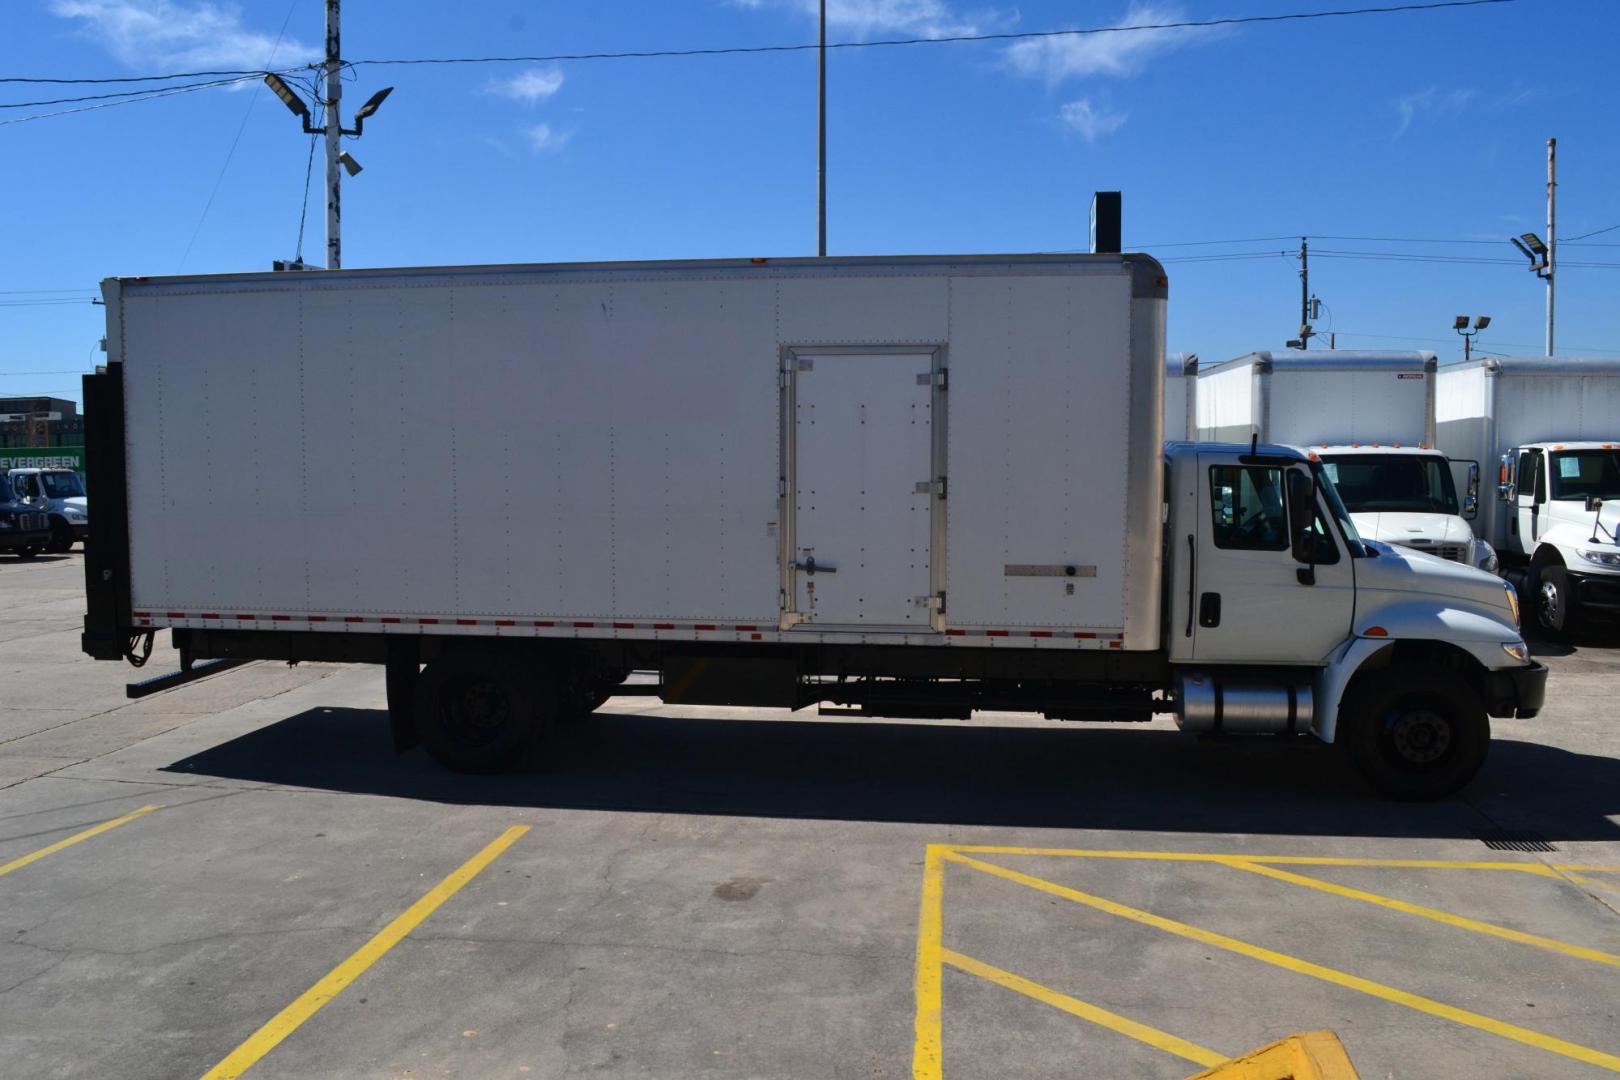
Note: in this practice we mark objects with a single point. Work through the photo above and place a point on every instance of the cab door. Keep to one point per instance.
(1531, 493)
(1253, 600)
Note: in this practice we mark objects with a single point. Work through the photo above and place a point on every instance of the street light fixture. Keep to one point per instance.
(294, 103)
(1531, 247)
(1460, 324)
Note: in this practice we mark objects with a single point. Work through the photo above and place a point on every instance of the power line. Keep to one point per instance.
(58, 371)
(132, 78)
(1583, 236)
(153, 96)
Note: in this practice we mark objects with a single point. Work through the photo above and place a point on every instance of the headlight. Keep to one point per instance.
(74, 515)
(1602, 558)
(1518, 650)
(1513, 602)
(1485, 557)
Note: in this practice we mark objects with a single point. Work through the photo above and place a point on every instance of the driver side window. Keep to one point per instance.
(1247, 508)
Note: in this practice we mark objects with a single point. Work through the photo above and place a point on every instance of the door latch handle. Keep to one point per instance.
(810, 566)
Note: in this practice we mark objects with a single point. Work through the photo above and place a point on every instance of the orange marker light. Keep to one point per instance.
(1375, 631)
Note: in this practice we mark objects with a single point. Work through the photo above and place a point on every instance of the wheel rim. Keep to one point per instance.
(475, 711)
(1551, 604)
(1420, 736)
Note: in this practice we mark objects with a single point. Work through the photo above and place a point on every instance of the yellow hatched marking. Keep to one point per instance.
(1540, 869)
(311, 1001)
(94, 830)
(1304, 967)
(927, 1054)
(1160, 1040)
(1460, 921)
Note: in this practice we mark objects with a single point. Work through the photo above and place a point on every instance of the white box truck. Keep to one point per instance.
(1550, 427)
(1181, 396)
(908, 486)
(1368, 416)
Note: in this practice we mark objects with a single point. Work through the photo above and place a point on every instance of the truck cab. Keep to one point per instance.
(1409, 497)
(61, 494)
(1555, 497)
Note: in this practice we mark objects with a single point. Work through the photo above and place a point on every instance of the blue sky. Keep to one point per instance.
(1428, 126)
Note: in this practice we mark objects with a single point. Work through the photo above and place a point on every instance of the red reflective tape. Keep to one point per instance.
(584, 625)
(663, 626)
(389, 619)
(504, 622)
(354, 618)
(756, 637)
(466, 622)
(996, 633)
(174, 614)
(281, 618)
(956, 633)
(316, 618)
(427, 622)
(624, 626)
(544, 622)
(705, 626)
(251, 617)
(141, 614)
(209, 615)
(1115, 644)
(1040, 633)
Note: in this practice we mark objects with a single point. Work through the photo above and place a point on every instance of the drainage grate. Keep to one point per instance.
(1514, 840)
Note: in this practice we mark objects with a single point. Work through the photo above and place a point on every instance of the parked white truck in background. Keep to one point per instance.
(1181, 396)
(1549, 427)
(1368, 416)
(60, 493)
(908, 486)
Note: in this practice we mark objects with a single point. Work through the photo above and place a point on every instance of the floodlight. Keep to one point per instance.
(1481, 322)
(1460, 322)
(1534, 243)
(348, 162)
(373, 103)
(294, 103)
(1526, 252)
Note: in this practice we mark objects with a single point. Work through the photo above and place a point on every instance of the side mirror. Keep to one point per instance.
(1471, 493)
(1506, 489)
(1593, 504)
(1302, 522)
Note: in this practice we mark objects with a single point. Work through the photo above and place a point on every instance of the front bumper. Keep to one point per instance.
(1596, 592)
(81, 530)
(1516, 692)
(12, 540)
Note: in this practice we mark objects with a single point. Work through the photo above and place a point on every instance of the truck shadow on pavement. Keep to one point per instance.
(1053, 777)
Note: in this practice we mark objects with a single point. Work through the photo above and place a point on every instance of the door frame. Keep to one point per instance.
(789, 364)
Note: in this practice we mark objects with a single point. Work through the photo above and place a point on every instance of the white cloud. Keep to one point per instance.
(529, 87)
(543, 138)
(1090, 120)
(1429, 102)
(1074, 56)
(863, 18)
(180, 34)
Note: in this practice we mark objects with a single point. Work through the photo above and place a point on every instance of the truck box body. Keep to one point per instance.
(1181, 396)
(1301, 397)
(1486, 408)
(913, 451)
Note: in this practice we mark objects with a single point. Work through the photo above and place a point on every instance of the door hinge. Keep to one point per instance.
(934, 602)
(933, 378)
(931, 487)
(781, 487)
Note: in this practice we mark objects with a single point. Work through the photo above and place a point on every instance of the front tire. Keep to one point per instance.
(1555, 600)
(25, 552)
(61, 537)
(1415, 734)
(481, 714)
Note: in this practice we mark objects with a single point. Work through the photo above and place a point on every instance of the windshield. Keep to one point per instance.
(1397, 483)
(62, 485)
(1341, 516)
(1579, 473)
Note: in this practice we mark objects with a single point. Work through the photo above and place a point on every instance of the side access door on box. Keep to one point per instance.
(863, 488)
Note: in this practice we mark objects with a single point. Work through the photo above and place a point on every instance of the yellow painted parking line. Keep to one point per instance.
(926, 1055)
(1422, 1004)
(1541, 869)
(311, 1001)
(94, 830)
(1608, 886)
(1462, 922)
(1160, 1040)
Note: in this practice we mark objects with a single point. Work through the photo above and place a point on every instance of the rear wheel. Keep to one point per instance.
(1415, 734)
(25, 552)
(481, 714)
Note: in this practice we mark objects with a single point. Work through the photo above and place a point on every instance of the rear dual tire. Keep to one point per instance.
(1415, 734)
(480, 714)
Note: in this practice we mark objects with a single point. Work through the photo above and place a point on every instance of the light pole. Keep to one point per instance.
(1544, 256)
(336, 158)
(1460, 324)
(821, 137)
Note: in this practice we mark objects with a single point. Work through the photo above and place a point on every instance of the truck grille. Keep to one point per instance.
(31, 522)
(1454, 552)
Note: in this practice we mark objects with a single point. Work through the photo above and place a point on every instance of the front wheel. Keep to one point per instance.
(1555, 600)
(481, 714)
(25, 552)
(1415, 734)
(61, 537)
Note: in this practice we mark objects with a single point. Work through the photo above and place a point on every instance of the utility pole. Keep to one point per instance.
(1552, 236)
(1305, 331)
(821, 136)
(334, 140)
